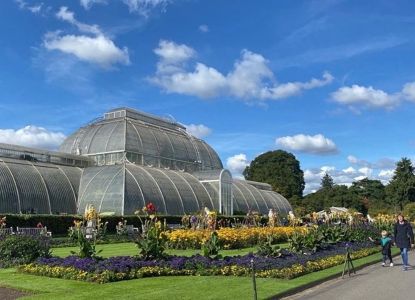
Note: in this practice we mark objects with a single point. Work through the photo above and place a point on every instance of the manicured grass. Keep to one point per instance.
(192, 287)
(131, 249)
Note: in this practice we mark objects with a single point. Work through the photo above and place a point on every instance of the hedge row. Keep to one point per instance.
(59, 224)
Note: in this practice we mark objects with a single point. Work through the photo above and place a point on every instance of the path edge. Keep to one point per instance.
(306, 286)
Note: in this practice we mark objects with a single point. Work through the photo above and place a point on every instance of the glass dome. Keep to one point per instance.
(126, 134)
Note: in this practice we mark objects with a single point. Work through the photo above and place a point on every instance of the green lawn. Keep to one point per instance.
(131, 249)
(191, 287)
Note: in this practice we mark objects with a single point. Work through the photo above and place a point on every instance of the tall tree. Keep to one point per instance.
(401, 189)
(327, 182)
(280, 169)
(371, 193)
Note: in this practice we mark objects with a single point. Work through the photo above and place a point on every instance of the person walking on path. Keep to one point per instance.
(386, 242)
(404, 238)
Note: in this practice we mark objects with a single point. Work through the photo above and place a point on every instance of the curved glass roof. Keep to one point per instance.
(125, 188)
(160, 142)
(249, 197)
(38, 187)
(122, 189)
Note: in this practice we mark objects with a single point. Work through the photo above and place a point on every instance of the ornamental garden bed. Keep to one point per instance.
(118, 268)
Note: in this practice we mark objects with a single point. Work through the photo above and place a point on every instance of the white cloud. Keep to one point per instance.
(204, 28)
(379, 164)
(35, 8)
(32, 136)
(200, 131)
(289, 89)
(171, 53)
(367, 172)
(237, 164)
(408, 91)
(97, 49)
(349, 170)
(144, 7)
(366, 96)
(327, 169)
(66, 15)
(250, 77)
(386, 174)
(87, 4)
(317, 144)
(310, 176)
(352, 159)
(361, 177)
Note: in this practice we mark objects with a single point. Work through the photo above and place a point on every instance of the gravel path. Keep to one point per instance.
(373, 282)
(10, 294)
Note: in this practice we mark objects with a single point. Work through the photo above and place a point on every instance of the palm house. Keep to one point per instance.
(122, 161)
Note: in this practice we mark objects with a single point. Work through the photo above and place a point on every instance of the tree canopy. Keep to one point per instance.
(362, 195)
(401, 189)
(281, 170)
(327, 182)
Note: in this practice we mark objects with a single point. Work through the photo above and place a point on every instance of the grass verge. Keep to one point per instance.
(131, 249)
(192, 287)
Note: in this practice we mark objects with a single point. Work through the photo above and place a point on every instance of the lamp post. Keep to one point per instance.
(253, 279)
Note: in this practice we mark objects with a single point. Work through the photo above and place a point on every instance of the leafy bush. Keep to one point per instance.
(304, 243)
(16, 250)
(153, 241)
(360, 233)
(86, 247)
(212, 246)
(409, 211)
(268, 248)
(334, 234)
(325, 235)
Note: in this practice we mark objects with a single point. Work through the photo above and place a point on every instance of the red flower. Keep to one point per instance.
(151, 209)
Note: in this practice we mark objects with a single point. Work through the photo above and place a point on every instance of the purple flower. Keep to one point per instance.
(124, 264)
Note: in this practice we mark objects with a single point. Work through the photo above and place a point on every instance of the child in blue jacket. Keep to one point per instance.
(386, 242)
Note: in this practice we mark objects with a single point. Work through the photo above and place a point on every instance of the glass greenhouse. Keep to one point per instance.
(119, 163)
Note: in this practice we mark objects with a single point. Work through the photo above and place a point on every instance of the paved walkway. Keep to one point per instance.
(373, 282)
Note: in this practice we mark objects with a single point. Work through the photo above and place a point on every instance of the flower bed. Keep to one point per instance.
(125, 267)
(230, 238)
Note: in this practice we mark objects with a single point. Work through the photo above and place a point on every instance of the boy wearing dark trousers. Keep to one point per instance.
(386, 242)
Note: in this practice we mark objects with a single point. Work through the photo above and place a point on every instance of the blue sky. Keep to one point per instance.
(331, 81)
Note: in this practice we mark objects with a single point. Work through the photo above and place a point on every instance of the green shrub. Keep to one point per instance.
(303, 243)
(212, 246)
(334, 234)
(361, 233)
(269, 247)
(409, 211)
(17, 250)
(153, 241)
(86, 247)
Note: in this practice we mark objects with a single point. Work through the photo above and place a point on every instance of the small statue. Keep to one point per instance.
(271, 218)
